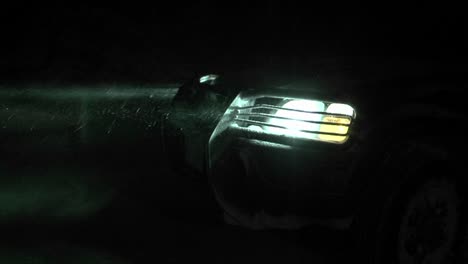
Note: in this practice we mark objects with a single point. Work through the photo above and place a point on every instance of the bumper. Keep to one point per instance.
(253, 176)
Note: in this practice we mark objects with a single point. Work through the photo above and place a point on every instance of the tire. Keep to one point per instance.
(398, 223)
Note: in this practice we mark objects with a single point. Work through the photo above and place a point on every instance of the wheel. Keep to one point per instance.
(414, 215)
(427, 230)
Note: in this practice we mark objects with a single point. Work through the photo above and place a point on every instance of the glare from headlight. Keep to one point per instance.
(289, 117)
(295, 122)
(301, 118)
(341, 109)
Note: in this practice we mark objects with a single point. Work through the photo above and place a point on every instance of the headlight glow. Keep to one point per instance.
(294, 123)
(342, 109)
(289, 117)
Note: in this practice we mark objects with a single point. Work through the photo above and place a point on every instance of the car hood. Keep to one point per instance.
(370, 83)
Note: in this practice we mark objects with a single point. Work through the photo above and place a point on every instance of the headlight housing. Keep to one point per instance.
(291, 117)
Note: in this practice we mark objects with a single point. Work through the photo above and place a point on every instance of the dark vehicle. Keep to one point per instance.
(377, 150)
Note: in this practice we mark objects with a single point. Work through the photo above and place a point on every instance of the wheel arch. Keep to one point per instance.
(431, 129)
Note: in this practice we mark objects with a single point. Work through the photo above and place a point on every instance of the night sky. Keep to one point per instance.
(170, 42)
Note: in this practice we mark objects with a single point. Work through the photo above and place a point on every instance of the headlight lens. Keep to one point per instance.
(295, 118)
(290, 117)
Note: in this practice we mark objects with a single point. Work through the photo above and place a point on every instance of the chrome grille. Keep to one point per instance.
(264, 114)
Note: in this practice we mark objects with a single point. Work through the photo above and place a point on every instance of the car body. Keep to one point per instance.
(263, 179)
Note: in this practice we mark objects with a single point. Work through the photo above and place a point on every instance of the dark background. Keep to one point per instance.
(178, 221)
(171, 41)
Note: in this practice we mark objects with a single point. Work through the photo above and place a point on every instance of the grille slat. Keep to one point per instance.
(299, 120)
(253, 122)
(279, 118)
(273, 107)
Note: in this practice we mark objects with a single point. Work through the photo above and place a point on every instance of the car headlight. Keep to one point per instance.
(290, 117)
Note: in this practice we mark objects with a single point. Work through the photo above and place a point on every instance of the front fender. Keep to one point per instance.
(435, 126)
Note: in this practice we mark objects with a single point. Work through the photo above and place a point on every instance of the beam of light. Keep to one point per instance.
(97, 91)
(52, 106)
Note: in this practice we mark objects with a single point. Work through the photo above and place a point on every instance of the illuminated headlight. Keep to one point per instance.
(290, 117)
